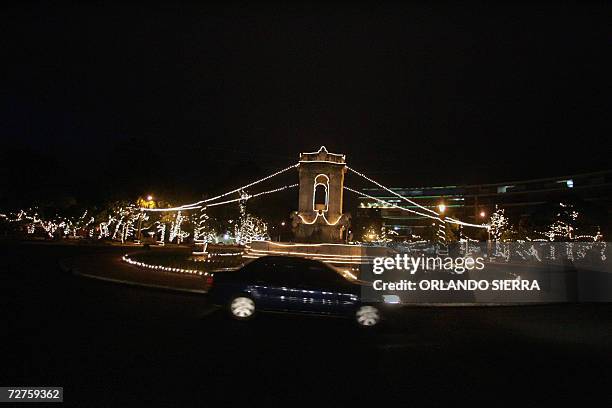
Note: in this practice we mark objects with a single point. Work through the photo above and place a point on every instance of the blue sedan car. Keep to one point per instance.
(290, 284)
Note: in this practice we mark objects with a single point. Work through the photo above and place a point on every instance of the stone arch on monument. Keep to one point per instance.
(320, 199)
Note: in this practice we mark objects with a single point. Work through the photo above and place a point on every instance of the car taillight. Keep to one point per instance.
(209, 280)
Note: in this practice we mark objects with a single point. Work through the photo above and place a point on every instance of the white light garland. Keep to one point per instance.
(393, 192)
(392, 205)
(198, 203)
(127, 259)
(436, 216)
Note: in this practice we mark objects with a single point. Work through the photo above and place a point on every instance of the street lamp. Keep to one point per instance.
(442, 249)
(483, 214)
(279, 232)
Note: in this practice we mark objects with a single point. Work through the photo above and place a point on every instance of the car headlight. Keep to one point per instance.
(392, 299)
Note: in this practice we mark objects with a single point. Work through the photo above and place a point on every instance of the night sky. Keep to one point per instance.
(111, 101)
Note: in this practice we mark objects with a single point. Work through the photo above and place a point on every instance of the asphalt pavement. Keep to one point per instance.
(111, 345)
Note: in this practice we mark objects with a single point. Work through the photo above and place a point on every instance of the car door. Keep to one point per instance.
(273, 285)
(323, 290)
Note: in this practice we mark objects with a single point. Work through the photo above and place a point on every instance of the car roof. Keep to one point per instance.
(296, 260)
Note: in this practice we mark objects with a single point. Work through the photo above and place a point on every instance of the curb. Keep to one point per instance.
(131, 283)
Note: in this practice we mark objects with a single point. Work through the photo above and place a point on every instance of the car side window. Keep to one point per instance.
(273, 273)
(320, 276)
(285, 274)
(255, 268)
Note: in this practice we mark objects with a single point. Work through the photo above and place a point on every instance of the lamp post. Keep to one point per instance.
(140, 225)
(149, 204)
(441, 235)
(483, 214)
(282, 224)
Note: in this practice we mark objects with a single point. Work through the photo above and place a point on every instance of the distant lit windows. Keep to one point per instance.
(503, 189)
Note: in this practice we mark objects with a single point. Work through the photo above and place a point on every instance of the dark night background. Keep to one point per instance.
(116, 101)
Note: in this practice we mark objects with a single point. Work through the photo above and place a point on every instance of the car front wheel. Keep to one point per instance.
(242, 307)
(367, 316)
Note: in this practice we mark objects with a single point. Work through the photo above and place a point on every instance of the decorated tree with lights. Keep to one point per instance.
(56, 227)
(176, 231)
(249, 228)
(380, 235)
(125, 227)
(114, 221)
(371, 234)
(564, 225)
(161, 232)
(570, 225)
(498, 224)
(203, 231)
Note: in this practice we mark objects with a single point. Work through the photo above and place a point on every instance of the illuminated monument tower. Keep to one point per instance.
(320, 217)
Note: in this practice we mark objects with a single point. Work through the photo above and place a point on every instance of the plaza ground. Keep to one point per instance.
(110, 344)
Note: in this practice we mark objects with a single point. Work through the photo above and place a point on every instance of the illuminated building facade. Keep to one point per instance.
(475, 203)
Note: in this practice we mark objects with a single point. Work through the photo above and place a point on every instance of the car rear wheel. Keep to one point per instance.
(242, 307)
(367, 316)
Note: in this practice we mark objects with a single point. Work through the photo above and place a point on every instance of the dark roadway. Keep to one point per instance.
(113, 345)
